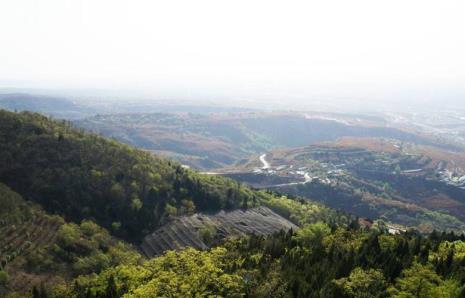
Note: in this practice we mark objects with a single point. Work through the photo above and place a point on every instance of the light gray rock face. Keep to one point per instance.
(190, 230)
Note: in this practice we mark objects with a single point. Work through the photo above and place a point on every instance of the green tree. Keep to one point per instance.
(449, 289)
(136, 203)
(68, 234)
(4, 278)
(208, 233)
(187, 207)
(312, 234)
(188, 273)
(111, 290)
(363, 284)
(171, 210)
(421, 281)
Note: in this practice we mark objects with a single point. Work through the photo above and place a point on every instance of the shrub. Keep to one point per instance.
(4, 278)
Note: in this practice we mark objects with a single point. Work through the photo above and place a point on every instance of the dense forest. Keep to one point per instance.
(72, 203)
(37, 248)
(82, 176)
(329, 256)
(316, 261)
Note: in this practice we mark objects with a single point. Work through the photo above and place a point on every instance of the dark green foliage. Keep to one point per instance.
(111, 291)
(83, 176)
(321, 267)
(43, 248)
(314, 262)
(86, 177)
(4, 277)
(39, 292)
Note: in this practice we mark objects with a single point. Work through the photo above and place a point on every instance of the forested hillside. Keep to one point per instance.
(330, 256)
(324, 258)
(82, 176)
(41, 250)
(94, 181)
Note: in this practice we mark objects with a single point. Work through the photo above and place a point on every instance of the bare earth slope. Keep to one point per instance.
(200, 230)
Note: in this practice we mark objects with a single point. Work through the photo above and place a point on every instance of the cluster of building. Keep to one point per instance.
(452, 178)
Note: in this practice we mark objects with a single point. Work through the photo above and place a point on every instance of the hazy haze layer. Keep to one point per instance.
(262, 50)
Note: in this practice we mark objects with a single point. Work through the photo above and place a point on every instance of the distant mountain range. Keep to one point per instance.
(64, 108)
(218, 140)
(55, 106)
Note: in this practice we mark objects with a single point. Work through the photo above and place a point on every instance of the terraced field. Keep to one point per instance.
(18, 241)
(401, 183)
(202, 230)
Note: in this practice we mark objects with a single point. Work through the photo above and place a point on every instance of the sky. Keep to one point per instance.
(373, 50)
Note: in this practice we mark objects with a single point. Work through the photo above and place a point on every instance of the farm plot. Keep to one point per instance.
(20, 240)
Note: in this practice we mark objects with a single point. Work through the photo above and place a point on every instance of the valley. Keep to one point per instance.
(413, 185)
(236, 149)
(217, 140)
(87, 216)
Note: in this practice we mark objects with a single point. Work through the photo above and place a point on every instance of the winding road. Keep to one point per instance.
(266, 165)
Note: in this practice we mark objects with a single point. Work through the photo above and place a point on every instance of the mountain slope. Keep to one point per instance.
(316, 261)
(88, 177)
(201, 231)
(39, 249)
(81, 176)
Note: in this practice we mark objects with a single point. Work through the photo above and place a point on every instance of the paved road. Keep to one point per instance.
(266, 165)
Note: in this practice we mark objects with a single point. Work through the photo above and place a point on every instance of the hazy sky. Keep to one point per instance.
(284, 48)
